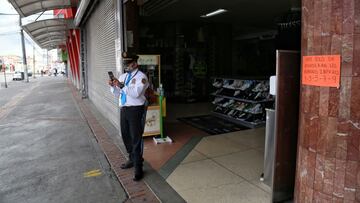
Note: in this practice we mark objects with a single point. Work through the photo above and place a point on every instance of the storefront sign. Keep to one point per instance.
(321, 70)
(148, 60)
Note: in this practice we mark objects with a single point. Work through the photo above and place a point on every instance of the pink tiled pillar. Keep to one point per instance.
(328, 168)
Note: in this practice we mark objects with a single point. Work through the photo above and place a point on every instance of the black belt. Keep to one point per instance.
(129, 107)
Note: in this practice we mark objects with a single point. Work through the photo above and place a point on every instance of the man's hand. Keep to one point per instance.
(111, 83)
(115, 82)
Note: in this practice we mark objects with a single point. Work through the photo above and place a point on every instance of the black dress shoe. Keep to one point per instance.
(128, 164)
(139, 174)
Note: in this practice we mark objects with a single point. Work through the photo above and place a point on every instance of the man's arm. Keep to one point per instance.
(138, 89)
(115, 90)
(115, 87)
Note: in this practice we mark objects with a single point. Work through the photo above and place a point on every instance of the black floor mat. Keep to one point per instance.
(212, 124)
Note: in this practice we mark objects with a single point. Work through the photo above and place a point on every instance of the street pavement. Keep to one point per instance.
(47, 151)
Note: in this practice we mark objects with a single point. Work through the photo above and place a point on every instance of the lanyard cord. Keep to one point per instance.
(129, 78)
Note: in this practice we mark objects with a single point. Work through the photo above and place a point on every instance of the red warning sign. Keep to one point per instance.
(321, 70)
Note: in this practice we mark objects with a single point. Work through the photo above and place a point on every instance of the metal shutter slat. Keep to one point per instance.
(101, 34)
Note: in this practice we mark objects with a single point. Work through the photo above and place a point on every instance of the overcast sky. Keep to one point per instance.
(10, 41)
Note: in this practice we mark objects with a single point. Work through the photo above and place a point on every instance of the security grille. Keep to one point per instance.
(100, 40)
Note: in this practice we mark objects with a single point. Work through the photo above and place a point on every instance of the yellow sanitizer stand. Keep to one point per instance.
(155, 112)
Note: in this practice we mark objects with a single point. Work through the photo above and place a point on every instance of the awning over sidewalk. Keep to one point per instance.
(50, 33)
(29, 7)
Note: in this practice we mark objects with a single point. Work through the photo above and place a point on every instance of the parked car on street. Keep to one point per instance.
(18, 75)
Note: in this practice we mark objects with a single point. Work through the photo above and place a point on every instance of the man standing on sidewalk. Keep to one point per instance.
(130, 89)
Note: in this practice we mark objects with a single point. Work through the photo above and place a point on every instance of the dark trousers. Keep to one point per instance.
(132, 128)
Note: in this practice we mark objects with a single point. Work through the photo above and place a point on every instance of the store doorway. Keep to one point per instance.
(236, 49)
(216, 61)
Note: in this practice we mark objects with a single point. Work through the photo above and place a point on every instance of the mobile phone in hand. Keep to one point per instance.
(111, 75)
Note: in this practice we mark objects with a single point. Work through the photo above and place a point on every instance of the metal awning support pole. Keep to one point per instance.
(33, 72)
(23, 51)
(5, 77)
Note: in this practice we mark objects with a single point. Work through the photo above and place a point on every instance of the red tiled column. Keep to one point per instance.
(74, 56)
(71, 57)
(76, 38)
(328, 168)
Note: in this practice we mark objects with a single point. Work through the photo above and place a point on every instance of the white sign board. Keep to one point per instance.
(152, 123)
(148, 60)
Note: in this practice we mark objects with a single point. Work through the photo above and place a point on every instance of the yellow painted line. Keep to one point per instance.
(92, 173)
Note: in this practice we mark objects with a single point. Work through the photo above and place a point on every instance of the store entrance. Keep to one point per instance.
(217, 58)
(212, 63)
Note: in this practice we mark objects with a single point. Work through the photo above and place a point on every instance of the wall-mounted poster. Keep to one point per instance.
(321, 70)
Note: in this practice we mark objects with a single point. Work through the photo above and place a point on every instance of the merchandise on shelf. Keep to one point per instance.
(242, 101)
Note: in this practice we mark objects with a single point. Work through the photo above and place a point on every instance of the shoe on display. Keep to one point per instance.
(227, 104)
(242, 115)
(218, 91)
(267, 86)
(266, 96)
(237, 84)
(261, 87)
(228, 84)
(248, 107)
(235, 114)
(217, 83)
(242, 106)
(258, 96)
(237, 92)
(230, 113)
(242, 95)
(255, 109)
(218, 100)
(234, 84)
(251, 95)
(226, 111)
(257, 88)
(247, 84)
(236, 105)
(218, 109)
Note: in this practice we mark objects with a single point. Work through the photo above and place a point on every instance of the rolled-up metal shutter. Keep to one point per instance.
(100, 42)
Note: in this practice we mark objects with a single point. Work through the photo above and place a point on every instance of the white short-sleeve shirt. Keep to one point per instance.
(134, 91)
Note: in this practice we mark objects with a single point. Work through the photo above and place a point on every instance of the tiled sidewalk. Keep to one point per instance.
(158, 154)
(137, 191)
(223, 168)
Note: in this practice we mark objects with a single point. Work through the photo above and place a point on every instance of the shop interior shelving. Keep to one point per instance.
(242, 101)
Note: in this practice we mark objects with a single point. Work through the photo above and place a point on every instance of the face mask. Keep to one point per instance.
(128, 67)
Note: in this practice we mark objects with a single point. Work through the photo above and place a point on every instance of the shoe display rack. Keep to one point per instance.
(242, 101)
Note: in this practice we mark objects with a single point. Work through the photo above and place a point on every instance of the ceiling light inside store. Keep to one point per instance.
(217, 12)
